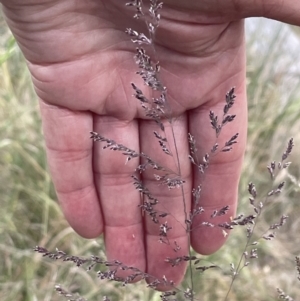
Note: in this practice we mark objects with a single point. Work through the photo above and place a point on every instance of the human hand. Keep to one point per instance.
(81, 63)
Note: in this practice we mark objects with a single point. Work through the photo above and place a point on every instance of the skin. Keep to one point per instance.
(81, 63)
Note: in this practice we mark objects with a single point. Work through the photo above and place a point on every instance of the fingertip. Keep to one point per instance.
(84, 227)
(165, 265)
(125, 244)
(209, 234)
(88, 232)
(208, 241)
(170, 279)
(82, 210)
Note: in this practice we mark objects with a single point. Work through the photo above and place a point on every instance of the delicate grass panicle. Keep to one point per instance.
(281, 293)
(158, 109)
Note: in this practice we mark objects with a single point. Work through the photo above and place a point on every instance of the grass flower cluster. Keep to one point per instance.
(158, 109)
(215, 277)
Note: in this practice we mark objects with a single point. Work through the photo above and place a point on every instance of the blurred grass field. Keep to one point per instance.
(30, 215)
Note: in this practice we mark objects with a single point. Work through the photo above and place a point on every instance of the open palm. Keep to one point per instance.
(82, 65)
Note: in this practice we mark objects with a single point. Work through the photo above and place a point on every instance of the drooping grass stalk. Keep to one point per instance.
(273, 168)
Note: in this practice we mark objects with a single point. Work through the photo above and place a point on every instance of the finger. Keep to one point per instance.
(175, 202)
(119, 200)
(220, 180)
(69, 152)
(287, 11)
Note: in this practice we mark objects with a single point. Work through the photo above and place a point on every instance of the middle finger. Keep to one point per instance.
(164, 234)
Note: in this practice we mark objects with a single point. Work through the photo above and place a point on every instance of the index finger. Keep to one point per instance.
(219, 182)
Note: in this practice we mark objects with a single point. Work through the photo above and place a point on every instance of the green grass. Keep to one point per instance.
(30, 214)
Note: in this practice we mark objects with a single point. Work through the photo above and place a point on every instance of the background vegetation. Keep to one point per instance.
(30, 215)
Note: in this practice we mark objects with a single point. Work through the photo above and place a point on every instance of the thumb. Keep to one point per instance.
(287, 11)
